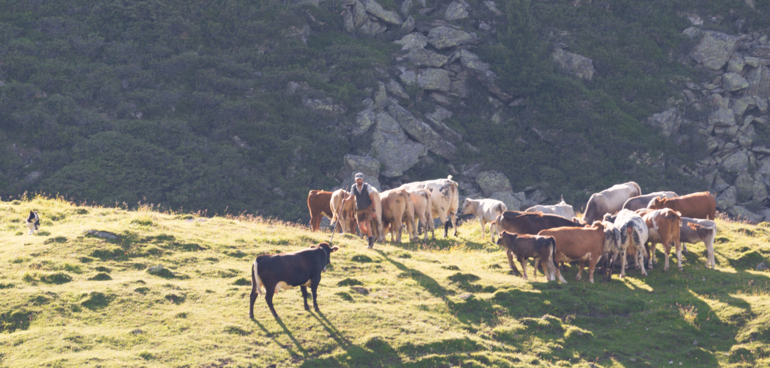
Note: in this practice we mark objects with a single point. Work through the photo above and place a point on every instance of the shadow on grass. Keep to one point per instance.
(302, 352)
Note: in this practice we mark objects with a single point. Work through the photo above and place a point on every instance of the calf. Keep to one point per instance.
(33, 222)
(397, 208)
(663, 226)
(273, 273)
(486, 210)
(525, 246)
(578, 244)
(700, 205)
(319, 204)
(343, 206)
(697, 230)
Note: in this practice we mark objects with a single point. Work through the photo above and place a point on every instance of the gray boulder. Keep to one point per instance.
(381, 96)
(395, 89)
(366, 165)
(742, 104)
(667, 121)
(480, 70)
(387, 16)
(761, 104)
(711, 144)
(492, 182)
(407, 76)
(433, 79)
(736, 63)
(722, 118)
(759, 189)
(456, 10)
(727, 199)
(744, 186)
(423, 133)
(720, 184)
(759, 81)
(733, 82)
(509, 198)
(392, 147)
(413, 41)
(436, 121)
(735, 163)
(746, 136)
(408, 25)
(574, 64)
(492, 7)
(761, 51)
(364, 120)
(444, 37)
(714, 49)
(422, 57)
(742, 213)
(406, 7)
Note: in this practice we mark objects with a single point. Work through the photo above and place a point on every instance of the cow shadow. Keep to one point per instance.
(303, 353)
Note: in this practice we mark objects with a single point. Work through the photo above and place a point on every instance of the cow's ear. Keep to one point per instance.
(335, 248)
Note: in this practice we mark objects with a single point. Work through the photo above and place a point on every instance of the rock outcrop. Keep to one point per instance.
(392, 147)
(574, 64)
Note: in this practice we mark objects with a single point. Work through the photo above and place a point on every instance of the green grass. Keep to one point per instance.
(76, 300)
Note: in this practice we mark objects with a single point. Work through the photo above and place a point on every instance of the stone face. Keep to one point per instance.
(493, 181)
(406, 7)
(422, 132)
(574, 64)
(387, 16)
(511, 201)
(727, 199)
(744, 184)
(364, 120)
(722, 118)
(735, 163)
(422, 57)
(746, 136)
(761, 104)
(742, 213)
(734, 82)
(408, 25)
(714, 49)
(395, 89)
(408, 76)
(433, 79)
(456, 10)
(413, 41)
(392, 147)
(759, 81)
(720, 184)
(436, 120)
(381, 96)
(761, 51)
(668, 121)
(443, 37)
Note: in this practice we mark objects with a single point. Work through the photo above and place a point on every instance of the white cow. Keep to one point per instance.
(633, 234)
(421, 201)
(445, 200)
(610, 201)
(344, 224)
(699, 230)
(560, 209)
(639, 202)
(486, 210)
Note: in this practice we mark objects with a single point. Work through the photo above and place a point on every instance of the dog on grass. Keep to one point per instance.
(33, 222)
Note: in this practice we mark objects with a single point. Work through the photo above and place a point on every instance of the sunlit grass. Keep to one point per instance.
(73, 299)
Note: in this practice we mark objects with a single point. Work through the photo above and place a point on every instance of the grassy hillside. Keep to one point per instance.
(71, 299)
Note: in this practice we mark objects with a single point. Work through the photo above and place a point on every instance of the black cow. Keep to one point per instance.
(283, 271)
(525, 246)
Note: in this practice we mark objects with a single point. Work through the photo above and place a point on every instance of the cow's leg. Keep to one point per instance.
(510, 262)
(269, 299)
(453, 219)
(523, 262)
(252, 299)
(397, 225)
(623, 264)
(678, 247)
(640, 261)
(581, 264)
(592, 260)
(544, 264)
(304, 296)
(558, 269)
(481, 221)
(667, 249)
(651, 254)
(492, 234)
(314, 289)
(710, 251)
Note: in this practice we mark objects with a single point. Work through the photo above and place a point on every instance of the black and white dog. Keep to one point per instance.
(33, 222)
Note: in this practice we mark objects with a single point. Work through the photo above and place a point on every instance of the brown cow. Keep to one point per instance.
(700, 205)
(664, 226)
(344, 216)
(396, 207)
(319, 204)
(578, 244)
(422, 203)
(525, 246)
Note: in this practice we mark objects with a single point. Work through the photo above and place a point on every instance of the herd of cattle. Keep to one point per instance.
(618, 223)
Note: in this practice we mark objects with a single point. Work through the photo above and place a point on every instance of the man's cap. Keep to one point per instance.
(359, 176)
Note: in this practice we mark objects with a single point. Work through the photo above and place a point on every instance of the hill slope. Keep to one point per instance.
(71, 299)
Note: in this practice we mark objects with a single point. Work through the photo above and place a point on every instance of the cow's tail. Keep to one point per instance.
(255, 281)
